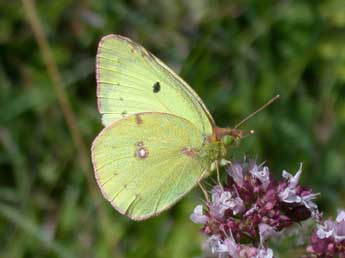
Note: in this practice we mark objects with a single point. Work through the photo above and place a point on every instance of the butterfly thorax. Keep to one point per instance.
(212, 151)
(215, 147)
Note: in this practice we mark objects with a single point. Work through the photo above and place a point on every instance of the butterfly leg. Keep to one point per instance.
(215, 166)
(202, 187)
(218, 175)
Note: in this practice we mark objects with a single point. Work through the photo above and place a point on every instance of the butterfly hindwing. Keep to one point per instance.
(145, 163)
(131, 80)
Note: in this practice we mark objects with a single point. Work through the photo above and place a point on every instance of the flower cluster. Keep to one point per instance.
(250, 208)
(328, 240)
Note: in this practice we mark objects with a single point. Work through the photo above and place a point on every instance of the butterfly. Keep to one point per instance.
(159, 139)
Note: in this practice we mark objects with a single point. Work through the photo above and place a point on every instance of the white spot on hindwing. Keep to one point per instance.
(141, 151)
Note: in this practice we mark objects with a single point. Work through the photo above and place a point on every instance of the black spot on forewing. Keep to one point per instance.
(156, 87)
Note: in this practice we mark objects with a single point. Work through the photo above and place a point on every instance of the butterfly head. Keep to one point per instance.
(229, 136)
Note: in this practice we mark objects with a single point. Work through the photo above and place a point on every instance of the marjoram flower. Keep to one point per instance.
(251, 208)
(328, 240)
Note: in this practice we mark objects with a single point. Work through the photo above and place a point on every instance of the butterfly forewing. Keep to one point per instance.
(145, 163)
(131, 80)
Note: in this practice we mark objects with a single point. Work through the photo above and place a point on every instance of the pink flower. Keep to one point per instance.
(339, 228)
(328, 240)
(262, 174)
(264, 253)
(197, 216)
(230, 248)
(252, 205)
(265, 232)
(236, 172)
(291, 192)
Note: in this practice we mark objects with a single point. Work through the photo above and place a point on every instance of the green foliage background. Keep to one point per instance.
(235, 54)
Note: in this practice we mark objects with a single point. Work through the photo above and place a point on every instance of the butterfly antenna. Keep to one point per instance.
(247, 133)
(257, 111)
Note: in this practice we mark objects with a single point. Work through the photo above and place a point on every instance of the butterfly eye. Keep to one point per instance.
(227, 140)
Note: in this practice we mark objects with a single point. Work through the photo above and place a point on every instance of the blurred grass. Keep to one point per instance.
(235, 54)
